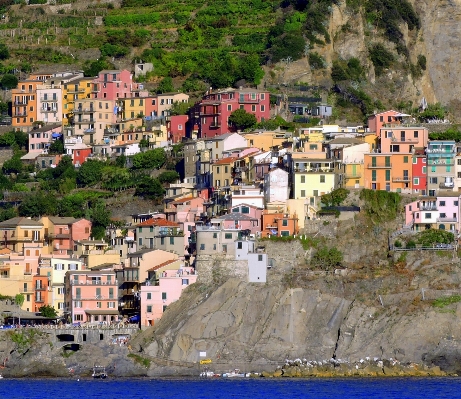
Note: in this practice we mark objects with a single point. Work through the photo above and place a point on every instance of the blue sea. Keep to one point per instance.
(401, 388)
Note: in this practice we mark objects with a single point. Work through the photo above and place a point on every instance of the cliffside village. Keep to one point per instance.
(237, 187)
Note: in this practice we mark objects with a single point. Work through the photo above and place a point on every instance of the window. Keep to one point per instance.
(202, 247)
(171, 240)
(442, 203)
(185, 281)
(239, 245)
(455, 203)
(149, 309)
(59, 266)
(322, 178)
(405, 159)
(285, 233)
(424, 169)
(263, 108)
(312, 146)
(163, 295)
(253, 108)
(427, 215)
(140, 241)
(215, 235)
(245, 209)
(415, 134)
(415, 160)
(315, 193)
(229, 107)
(303, 193)
(448, 169)
(433, 180)
(260, 258)
(164, 307)
(303, 179)
(388, 175)
(111, 305)
(373, 175)
(415, 181)
(149, 295)
(284, 222)
(228, 236)
(78, 317)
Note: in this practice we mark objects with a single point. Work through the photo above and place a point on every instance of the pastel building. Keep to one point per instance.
(440, 166)
(276, 185)
(91, 296)
(49, 109)
(171, 278)
(419, 172)
(279, 224)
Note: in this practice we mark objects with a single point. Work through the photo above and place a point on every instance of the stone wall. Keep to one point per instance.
(5, 154)
(88, 335)
(219, 268)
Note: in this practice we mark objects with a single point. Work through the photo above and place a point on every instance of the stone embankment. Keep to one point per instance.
(364, 368)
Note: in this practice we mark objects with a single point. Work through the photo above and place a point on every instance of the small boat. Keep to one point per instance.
(99, 372)
(207, 373)
(1, 376)
(235, 373)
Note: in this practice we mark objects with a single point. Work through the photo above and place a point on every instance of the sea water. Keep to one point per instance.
(401, 388)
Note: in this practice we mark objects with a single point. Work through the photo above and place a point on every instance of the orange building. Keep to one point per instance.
(40, 298)
(403, 139)
(390, 172)
(279, 224)
(24, 102)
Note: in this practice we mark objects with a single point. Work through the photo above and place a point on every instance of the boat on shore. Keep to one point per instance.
(99, 372)
(235, 373)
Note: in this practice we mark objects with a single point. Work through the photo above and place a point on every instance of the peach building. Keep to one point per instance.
(402, 139)
(390, 172)
(279, 224)
(170, 279)
(91, 296)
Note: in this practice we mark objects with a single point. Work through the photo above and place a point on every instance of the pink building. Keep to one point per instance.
(113, 84)
(377, 121)
(176, 127)
(151, 106)
(49, 107)
(402, 139)
(80, 154)
(171, 279)
(217, 106)
(91, 296)
(419, 172)
(239, 221)
(434, 213)
(61, 233)
(41, 138)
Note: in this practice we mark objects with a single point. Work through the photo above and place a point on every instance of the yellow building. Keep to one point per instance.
(15, 279)
(354, 175)
(72, 91)
(315, 177)
(18, 232)
(133, 107)
(266, 140)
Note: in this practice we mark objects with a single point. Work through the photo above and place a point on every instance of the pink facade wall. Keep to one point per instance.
(172, 283)
(407, 138)
(177, 127)
(376, 122)
(81, 230)
(114, 84)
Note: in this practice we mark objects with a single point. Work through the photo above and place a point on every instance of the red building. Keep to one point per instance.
(217, 106)
(176, 127)
(79, 154)
(419, 172)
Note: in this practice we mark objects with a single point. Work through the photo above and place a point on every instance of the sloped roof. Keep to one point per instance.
(235, 216)
(225, 161)
(158, 222)
(20, 221)
(163, 264)
(61, 220)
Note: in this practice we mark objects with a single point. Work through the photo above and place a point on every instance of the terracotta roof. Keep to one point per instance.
(182, 200)
(162, 265)
(224, 161)
(20, 221)
(158, 222)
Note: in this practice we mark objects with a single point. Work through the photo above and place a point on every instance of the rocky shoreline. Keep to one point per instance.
(364, 368)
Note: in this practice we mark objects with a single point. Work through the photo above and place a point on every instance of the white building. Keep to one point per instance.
(276, 186)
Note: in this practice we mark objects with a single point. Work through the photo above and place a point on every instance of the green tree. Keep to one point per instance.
(165, 85)
(180, 108)
(335, 198)
(381, 58)
(168, 176)
(120, 161)
(56, 147)
(38, 204)
(72, 206)
(4, 52)
(48, 311)
(150, 188)
(99, 215)
(430, 237)
(152, 159)
(93, 68)
(90, 173)
(327, 258)
(9, 81)
(19, 299)
(13, 165)
(242, 119)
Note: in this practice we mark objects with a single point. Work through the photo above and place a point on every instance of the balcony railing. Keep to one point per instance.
(446, 219)
(403, 140)
(375, 166)
(75, 91)
(353, 175)
(428, 207)
(93, 282)
(46, 110)
(79, 110)
(447, 185)
(403, 179)
(48, 99)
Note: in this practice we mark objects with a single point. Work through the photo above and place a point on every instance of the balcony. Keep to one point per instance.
(48, 99)
(403, 140)
(49, 109)
(404, 179)
(57, 235)
(353, 175)
(446, 220)
(441, 162)
(375, 166)
(447, 185)
(248, 100)
(75, 91)
(41, 288)
(80, 110)
(21, 102)
(93, 282)
(428, 207)
(22, 113)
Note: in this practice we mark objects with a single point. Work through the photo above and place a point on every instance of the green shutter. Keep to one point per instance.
(388, 175)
